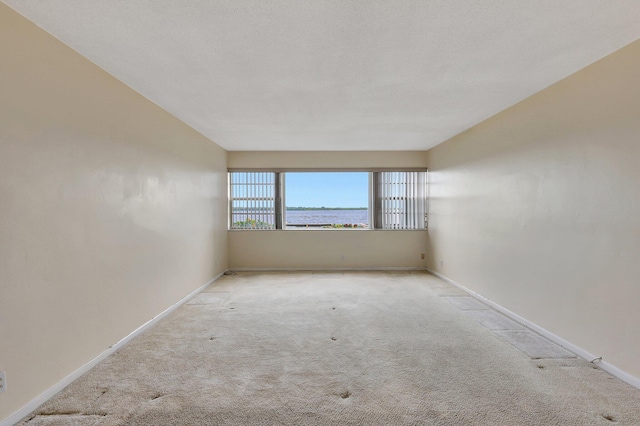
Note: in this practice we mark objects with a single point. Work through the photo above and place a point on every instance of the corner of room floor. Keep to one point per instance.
(525, 333)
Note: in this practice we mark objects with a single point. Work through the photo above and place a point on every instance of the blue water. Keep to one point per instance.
(341, 217)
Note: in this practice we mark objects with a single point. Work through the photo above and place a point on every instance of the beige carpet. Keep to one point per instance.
(336, 349)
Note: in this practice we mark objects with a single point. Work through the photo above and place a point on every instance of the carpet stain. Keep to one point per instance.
(102, 392)
(156, 396)
(334, 339)
(65, 418)
(345, 394)
(608, 417)
(60, 413)
(541, 367)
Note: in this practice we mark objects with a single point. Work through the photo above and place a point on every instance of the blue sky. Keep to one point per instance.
(327, 189)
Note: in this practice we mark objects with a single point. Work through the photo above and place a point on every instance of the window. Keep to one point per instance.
(292, 200)
(401, 200)
(326, 200)
(252, 200)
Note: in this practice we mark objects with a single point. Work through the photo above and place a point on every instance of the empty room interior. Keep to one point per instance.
(492, 276)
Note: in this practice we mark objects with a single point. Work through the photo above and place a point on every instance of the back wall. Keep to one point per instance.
(330, 248)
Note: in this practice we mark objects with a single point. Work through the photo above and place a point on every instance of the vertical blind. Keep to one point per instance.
(252, 198)
(402, 200)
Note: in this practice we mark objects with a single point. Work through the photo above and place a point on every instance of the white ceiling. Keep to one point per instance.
(339, 74)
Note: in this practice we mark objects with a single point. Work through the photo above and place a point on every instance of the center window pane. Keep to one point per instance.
(327, 200)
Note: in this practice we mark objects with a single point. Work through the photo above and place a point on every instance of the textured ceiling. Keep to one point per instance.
(337, 75)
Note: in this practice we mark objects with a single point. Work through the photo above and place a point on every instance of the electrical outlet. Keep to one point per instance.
(3, 381)
(422, 256)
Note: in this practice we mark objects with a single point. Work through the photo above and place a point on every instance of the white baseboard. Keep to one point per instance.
(382, 268)
(49, 393)
(610, 368)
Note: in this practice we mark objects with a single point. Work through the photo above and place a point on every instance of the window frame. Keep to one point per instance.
(374, 208)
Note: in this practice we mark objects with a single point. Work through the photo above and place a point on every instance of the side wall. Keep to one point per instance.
(538, 209)
(326, 249)
(111, 211)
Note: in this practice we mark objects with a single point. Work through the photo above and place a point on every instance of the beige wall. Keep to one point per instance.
(111, 210)
(331, 249)
(327, 159)
(328, 249)
(538, 209)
